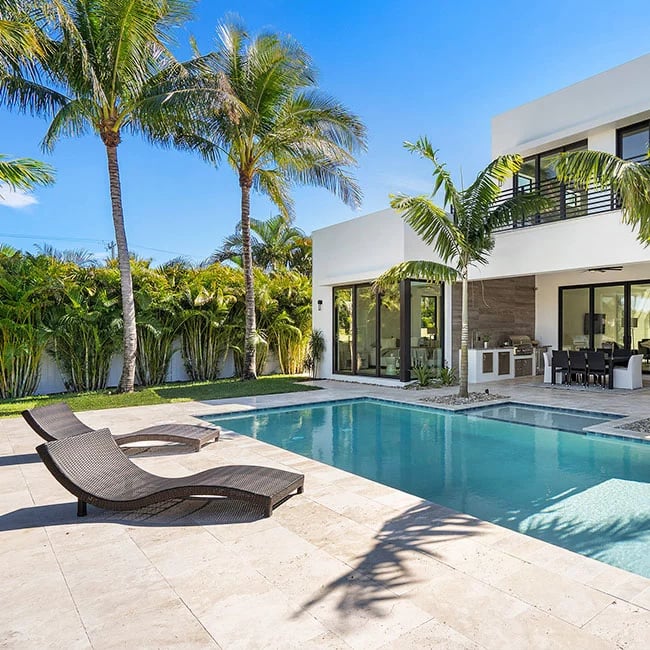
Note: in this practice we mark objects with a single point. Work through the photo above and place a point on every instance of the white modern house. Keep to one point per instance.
(572, 277)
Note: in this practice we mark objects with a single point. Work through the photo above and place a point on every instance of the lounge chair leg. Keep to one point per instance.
(268, 511)
(301, 489)
(81, 508)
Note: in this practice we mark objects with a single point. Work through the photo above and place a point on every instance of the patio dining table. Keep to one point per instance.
(611, 360)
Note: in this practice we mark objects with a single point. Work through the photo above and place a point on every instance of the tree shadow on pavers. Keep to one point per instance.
(19, 459)
(176, 512)
(382, 574)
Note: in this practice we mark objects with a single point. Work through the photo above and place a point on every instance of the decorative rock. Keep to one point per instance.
(472, 398)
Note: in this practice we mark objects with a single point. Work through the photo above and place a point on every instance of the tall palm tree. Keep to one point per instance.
(628, 180)
(278, 130)
(460, 232)
(104, 66)
(276, 244)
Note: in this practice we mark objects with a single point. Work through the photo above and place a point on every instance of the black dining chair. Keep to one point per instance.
(560, 363)
(578, 366)
(597, 367)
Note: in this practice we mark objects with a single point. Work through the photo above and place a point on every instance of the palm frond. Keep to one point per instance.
(441, 175)
(431, 223)
(518, 207)
(416, 270)
(25, 173)
(629, 181)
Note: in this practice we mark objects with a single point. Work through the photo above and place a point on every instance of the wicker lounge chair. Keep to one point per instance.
(93, 468)
(57, 421)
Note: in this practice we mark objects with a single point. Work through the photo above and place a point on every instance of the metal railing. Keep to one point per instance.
(566, 202)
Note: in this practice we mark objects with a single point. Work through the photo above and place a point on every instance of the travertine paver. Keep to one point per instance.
(350, 563)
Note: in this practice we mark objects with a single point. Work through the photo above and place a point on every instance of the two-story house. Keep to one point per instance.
(572, 277)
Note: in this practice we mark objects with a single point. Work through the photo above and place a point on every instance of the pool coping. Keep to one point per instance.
(601, 430)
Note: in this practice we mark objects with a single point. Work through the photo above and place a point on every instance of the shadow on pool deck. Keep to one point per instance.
(193, 511)
(383, 573)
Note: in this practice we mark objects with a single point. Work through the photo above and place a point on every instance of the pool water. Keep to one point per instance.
(589, 494)
(538, 416)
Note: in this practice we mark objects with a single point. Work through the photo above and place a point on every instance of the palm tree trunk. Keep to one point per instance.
(127, 379)
(464, 338)
(249, 370)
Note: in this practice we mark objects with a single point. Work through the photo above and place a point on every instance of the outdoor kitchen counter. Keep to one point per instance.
(492, 364)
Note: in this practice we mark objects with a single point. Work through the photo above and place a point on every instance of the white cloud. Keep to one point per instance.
(15, 198)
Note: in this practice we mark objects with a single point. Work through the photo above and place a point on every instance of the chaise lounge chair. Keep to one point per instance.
(94, 469)
(57, 421)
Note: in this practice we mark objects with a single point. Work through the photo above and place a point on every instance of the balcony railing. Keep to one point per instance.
(566, 202)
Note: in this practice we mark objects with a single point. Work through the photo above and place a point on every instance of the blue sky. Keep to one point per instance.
(435, 68)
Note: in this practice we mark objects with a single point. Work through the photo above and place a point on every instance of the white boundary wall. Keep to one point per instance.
(52, 382)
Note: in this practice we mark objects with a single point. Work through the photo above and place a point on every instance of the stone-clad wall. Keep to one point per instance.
(496, 307)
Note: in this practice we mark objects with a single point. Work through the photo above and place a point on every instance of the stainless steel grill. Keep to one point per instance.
(522, 345)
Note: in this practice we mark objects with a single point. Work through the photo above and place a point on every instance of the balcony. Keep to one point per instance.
(567, 202)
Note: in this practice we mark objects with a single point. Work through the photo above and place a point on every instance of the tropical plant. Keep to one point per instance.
(86, 327)
(628, 180)
(315, 351)
(103, 66)
(157, 299)
(423, 374)
(460, 232)
(285, 316)
(276, 244)
(447, 376)
(277, 130)
(206, 322)
(27, 291)
(78, 256)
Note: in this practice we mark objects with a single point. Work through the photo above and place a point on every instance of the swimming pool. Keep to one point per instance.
(589, 494)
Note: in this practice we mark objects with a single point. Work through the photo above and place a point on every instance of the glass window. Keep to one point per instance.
(549, 187)
(527, 176)
(640, 321)
(575, 319)
(608, 316)
(343, 335)
(366, 330)
(634, 142)
(426, 325)
(389, 342)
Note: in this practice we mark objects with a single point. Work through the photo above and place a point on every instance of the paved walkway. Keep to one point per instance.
(350, 563)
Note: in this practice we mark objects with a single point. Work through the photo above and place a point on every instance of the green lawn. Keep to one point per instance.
(182, 392)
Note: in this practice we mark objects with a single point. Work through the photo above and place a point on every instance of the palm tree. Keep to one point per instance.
(276, 244)
(278, 130)
(460, 233)
(628, 180)
(103, 66)
(18, 43)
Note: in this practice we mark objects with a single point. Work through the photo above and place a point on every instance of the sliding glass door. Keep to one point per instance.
(386, 334)
(606, 316)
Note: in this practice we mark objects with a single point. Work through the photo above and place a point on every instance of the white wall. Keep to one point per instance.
(586, 242)
(52, 382)
(614, 97)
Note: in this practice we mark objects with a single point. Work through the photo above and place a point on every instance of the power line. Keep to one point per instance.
(103, 242)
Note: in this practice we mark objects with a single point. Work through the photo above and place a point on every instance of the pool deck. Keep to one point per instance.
(349, 563)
